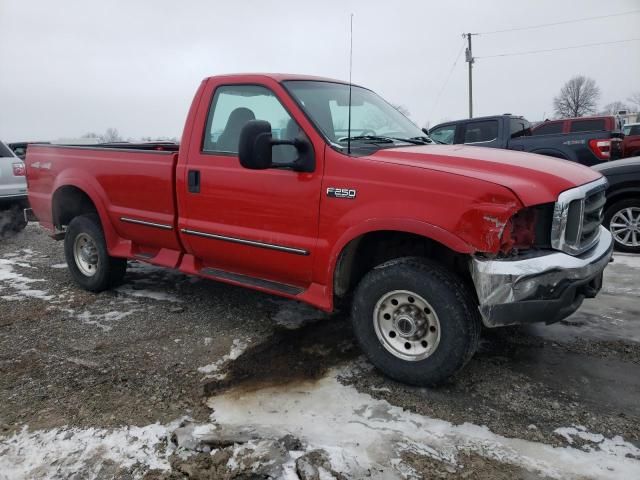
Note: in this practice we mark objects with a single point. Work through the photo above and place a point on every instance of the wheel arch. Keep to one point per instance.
(73, 197)
(365, 248)
(549, 152)
(624, 193)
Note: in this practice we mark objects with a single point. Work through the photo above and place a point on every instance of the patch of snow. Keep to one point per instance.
(11, 298)
(59, 265)
(237, 348)
(22, 285)
(381, 389)
(612, 446)
(627, 259)
(66, 452)
(102, 320)
(362, 434)
(145, 293)
(293, 315)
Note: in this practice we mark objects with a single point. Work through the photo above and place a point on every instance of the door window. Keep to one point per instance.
(477, 132)
(444, 134)
(233, 106)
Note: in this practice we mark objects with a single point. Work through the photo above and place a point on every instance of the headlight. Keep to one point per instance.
(528, 228)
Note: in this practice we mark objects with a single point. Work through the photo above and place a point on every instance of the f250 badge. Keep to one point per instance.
(347, 193)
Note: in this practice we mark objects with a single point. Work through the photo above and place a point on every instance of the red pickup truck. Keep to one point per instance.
(311, 189)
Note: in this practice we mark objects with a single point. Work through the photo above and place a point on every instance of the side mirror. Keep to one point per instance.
(254, 149)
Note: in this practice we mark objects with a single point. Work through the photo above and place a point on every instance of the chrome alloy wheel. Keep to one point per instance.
(85, 254)
(625, 226)
(406, 325)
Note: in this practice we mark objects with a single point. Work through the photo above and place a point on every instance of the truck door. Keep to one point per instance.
(251, 226)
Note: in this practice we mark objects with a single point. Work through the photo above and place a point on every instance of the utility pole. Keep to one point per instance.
(470, 60)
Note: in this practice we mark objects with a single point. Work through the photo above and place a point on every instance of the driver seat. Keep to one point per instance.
(230, 136)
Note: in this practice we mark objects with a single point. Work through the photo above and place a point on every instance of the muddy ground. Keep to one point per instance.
(225, 382)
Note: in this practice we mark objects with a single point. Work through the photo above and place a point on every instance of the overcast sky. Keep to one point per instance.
(71, 67)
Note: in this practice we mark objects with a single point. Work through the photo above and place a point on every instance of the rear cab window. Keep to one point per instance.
(587, 125)
(548, 128)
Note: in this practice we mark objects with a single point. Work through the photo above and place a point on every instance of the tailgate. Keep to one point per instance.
(617, 149)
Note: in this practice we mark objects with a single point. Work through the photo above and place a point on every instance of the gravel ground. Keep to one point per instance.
(173, 377)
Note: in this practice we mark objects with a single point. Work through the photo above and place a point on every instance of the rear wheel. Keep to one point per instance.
(416, 321)
(87, 257)
(623, 221)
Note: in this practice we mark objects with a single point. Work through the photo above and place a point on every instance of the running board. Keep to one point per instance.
(252, 281)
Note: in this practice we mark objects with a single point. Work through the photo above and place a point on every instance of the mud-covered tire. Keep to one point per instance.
(623, 207)
(107, 271)
(447, 296)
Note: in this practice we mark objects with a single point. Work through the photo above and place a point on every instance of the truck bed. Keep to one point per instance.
(131, 184)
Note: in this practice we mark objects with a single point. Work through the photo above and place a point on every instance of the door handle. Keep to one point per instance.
(194, 181)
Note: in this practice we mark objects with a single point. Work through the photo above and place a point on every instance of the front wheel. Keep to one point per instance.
(416, 321)
(87, 257)
(623, 221)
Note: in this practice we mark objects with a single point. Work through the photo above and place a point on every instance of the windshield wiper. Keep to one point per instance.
(372, 138)
(384, 139)
(414, 140)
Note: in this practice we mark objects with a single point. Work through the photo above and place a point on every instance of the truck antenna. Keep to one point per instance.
(350, 69)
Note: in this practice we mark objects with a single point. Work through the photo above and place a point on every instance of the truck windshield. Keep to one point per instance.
(373, 121)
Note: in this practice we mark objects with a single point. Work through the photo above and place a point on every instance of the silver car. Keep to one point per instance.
(13, 191)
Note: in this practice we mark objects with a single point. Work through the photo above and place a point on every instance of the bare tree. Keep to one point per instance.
(577, 98)
(614, 107)
(111, 135)
(635, 99)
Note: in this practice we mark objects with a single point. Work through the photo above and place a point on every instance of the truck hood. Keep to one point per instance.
(535, 179)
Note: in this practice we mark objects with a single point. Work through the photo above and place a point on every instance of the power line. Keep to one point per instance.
(584, 19)
(530, 52)
(448, 77)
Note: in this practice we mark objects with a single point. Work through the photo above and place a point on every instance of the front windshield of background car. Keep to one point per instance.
(626, 129)
(372, 119)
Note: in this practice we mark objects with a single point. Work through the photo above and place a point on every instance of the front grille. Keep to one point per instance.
(577, 218)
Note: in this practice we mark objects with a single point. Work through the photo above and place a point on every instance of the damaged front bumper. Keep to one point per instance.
(545, 286)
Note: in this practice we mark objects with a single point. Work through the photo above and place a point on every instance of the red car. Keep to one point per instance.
(631, 142)
(312, 189)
